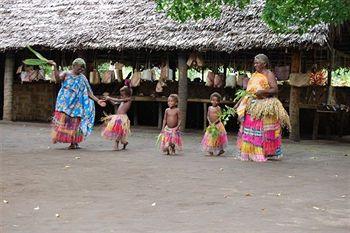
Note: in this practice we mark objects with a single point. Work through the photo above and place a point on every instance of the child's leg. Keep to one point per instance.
(172, 148)
(116, 145)
(166, 150)
(71, 146)
(124, 145)
(221, 152)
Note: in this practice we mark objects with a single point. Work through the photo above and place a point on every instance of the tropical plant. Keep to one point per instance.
(280, 15)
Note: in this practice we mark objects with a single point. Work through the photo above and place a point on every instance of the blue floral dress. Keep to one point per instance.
(73, 100)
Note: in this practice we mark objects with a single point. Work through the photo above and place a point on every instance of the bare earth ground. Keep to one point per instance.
(139, 190)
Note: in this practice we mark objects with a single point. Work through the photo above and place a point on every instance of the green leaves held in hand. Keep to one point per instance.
(41, 61)
(226, 114)
(37, 54)
(159, 138)
(213, 131)
(34, 62)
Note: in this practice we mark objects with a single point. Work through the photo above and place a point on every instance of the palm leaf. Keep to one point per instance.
(34, 62)
(38, 55)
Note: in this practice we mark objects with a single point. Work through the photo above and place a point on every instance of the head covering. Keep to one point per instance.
(79, 61)
(262, 58)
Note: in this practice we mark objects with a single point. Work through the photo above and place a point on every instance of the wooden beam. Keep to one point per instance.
(295, 99)
(183, 89)
(8, 86)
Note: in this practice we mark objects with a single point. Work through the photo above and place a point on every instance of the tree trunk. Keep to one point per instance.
(183, 92)
(8, 86)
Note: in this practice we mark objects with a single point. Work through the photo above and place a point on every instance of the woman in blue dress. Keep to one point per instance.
(74, 114)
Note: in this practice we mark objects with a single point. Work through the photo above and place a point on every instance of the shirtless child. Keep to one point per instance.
(170, 135)
(118, 127)
(215, 137)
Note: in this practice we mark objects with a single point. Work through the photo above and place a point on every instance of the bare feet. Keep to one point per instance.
(124, 145)
(116, 146)
(172, 148)
(221, 152)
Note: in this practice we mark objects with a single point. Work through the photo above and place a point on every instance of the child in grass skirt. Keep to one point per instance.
(215, 138)
(118, 126)
(170, 136)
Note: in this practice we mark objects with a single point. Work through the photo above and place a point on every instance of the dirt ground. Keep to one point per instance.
(46, 188)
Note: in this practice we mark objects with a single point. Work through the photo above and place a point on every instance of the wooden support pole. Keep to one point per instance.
(8, 86)
(205, 111)
(183, 90)
(160, 115)
(295, 99)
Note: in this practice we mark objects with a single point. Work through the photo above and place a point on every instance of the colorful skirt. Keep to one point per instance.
(118, 128)
(215, 139)
(170, 136)
(259, 139)
(66, 129)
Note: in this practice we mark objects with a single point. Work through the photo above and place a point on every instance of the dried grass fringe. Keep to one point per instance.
(269, 107)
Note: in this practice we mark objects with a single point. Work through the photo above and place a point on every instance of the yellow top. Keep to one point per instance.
(258, 81)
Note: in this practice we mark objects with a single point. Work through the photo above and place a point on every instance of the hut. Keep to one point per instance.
(133, 32)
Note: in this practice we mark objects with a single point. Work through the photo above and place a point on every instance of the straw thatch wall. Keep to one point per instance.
(135, 24)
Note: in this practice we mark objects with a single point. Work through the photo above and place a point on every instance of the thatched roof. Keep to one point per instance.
(135, 24)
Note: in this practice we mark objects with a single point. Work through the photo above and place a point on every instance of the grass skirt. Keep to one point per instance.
(214, 140)
(259, 139)
(170, 136)
(66, 129)
(118, 128)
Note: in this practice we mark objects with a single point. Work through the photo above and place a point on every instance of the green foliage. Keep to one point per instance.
(213, 131)
(341, 77)
(226, 114)
(37, 54)
(240, 94)
(103, 68)
(280, 15)
(301, 15)
(42, 62)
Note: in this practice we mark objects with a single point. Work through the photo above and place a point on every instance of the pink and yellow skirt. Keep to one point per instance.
(117, 128)
(66, 129)
(215, 139)
(170, 136)
(259, 139)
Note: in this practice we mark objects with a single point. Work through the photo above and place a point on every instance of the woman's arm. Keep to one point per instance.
(56, 75)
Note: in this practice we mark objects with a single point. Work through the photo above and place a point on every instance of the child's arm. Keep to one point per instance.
(165, 119)
(178, 119)
(117, 100)
(208, 117)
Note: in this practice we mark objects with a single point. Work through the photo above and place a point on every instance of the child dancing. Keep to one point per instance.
(118, 127)
(170, 136)
(215, 137)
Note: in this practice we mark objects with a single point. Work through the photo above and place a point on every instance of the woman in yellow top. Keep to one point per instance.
(261, 115)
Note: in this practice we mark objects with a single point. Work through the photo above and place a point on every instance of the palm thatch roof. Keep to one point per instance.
(135, 24)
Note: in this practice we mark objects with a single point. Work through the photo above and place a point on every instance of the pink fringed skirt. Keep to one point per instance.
(259, 139)
(215, 139)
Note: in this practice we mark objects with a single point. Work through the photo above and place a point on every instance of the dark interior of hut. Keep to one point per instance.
(145, 112)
